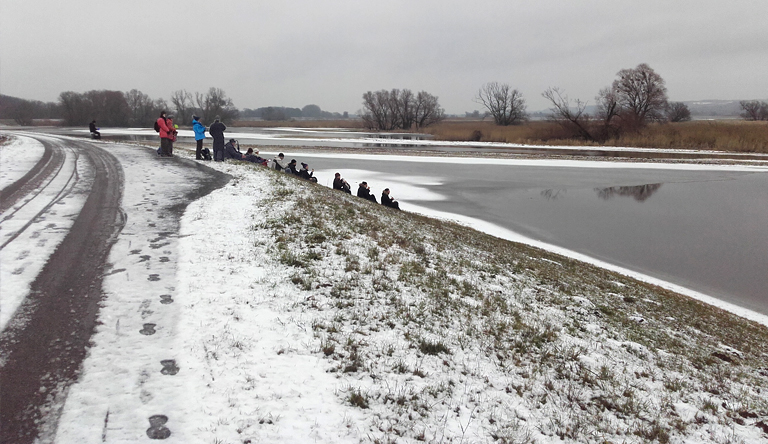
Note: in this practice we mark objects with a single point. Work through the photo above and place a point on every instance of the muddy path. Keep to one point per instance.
(44, 344)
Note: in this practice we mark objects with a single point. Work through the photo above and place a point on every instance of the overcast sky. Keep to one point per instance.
(328, 53)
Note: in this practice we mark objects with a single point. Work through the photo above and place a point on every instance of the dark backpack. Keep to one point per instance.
(157, 127)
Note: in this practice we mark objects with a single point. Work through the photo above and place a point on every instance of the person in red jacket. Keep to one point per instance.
(165, 135)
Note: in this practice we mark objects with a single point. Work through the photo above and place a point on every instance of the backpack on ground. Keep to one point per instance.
(206, 154)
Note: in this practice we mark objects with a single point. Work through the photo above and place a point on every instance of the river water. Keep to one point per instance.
(704, 230)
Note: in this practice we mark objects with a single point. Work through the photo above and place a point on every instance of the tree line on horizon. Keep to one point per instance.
(636, 98)
(137, 109)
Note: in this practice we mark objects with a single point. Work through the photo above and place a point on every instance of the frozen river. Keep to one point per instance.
(700, 227)
(706, 230)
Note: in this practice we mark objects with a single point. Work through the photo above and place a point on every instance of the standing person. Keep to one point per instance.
(340, 184)
(171, 136)
(364, 191)
(94, 131)
(217, 132)
(199, 130)
(388, 201)
(161, 126)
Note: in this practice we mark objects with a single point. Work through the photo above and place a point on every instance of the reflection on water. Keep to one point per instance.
(551, 194)
(640, 192)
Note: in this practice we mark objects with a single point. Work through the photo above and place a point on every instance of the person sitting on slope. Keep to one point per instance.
(253, 156)
(304, 173)
(341, 184)
(364, 191)
(232, 150)
(387, 201)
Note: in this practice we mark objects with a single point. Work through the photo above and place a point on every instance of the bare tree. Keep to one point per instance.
(400, 109)
(427, 110)
(642, 95)
(754, 110)
(678, 112)
(607, 105)
(574, 119)
(110, 108)
(182, 101)
(215, 103)
(505, 104)
(75, 108)
(376, 113)
(143, 109)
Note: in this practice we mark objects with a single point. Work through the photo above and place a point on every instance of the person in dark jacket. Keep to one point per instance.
(251, 156)
(388, 201)
(305, 173)
(199, 130)
(217, 132)
(94, 131)
(340, 184)
(232, 150)
(291, 168)
(364, 191)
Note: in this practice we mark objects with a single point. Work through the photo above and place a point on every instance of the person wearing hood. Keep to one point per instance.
(364, 191)
(199, 130)
(387, 201)
(305, 173)
(94, 131)
(232, 150)
(217, 132)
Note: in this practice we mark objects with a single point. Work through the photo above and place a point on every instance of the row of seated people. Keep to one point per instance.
(364, 191)
(278, 163)
(232, 151)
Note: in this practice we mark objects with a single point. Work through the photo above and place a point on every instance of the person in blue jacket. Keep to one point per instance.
(199, 129)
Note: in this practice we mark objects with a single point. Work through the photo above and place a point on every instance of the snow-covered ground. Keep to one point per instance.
(265, 355)
(276, 328)
(321, 136)
(18, 157)
(28, 239)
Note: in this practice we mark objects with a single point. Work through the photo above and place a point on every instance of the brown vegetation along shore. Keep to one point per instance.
(722, 135)
(342, 123)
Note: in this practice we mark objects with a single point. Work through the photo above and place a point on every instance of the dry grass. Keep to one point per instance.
(708, 135)
(342, 123)
(722, 135)
(439, 319)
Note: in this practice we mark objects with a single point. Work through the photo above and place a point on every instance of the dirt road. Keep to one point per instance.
(47, 339)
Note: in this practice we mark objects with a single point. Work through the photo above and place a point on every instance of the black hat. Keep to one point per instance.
(195, 117)
(232, 140)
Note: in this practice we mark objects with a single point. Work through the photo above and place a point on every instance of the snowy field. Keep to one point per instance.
(24, 236)
(308, 137)
(297, 314)
(269, 348)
